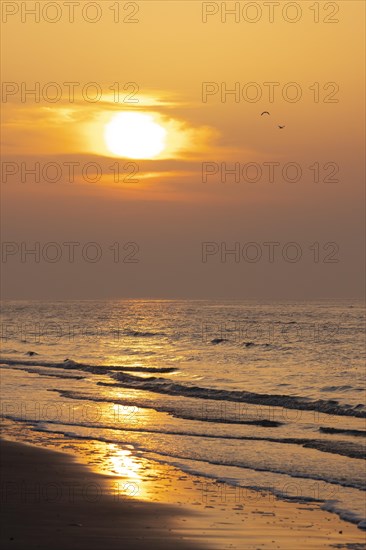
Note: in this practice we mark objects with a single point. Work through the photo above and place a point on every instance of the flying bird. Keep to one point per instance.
(281, 127)
(265, 113)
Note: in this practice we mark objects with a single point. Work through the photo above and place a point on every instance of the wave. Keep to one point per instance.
(340, 388)
(95, 369)
(32, 370)
(351, 450)
(173, 453)
(356, 433)
(165, 386)
(142, 334)
(336, 447)
(161, 407)
(266, 346)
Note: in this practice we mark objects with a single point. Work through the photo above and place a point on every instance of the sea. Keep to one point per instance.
(263, 396)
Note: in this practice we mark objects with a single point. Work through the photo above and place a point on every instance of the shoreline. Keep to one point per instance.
(74, 501)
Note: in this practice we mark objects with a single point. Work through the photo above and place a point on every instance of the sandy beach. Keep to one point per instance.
(49, 500)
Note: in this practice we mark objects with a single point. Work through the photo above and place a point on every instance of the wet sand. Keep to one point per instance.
(50, 500)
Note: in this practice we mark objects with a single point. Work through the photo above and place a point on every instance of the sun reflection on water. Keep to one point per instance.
(124, 471)
(122, 463)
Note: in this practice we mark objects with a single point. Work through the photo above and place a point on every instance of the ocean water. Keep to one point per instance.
(263, 396)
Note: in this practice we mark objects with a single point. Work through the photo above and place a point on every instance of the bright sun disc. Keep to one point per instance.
(134, 135)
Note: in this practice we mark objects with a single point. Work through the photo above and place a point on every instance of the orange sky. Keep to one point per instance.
(169, 53)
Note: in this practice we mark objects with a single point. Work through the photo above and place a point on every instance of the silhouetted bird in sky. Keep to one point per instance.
(281, 127)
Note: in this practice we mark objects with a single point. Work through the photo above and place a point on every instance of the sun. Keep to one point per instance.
(135, 135)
